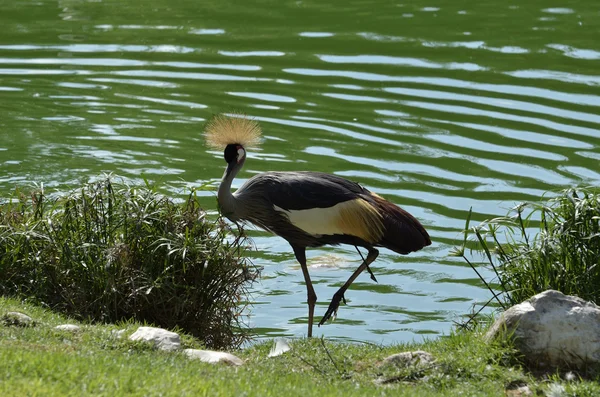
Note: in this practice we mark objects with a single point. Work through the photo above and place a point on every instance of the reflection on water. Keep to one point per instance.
(438, 108)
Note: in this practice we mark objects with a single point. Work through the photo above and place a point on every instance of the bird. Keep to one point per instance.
(308, 209)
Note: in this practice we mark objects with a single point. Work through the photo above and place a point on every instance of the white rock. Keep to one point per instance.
(518, 391)
(18, 319)
(162, 339)
(68, 327)
(280, 346)
(556, 390)
(209, 356)
(405, 359)
(117, 333)
(553, 329)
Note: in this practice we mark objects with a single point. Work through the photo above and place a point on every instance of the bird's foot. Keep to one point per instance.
(372, 275)
(333, 307)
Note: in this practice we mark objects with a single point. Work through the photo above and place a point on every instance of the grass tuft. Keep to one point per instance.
(540, 246)
(110, 252)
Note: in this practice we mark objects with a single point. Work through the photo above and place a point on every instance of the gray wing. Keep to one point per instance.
(302, 190)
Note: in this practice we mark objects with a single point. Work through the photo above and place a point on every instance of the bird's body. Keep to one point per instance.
(311, 209)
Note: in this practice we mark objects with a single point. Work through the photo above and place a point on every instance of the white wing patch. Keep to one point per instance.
(353, 217)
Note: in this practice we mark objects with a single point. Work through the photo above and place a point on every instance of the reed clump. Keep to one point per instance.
(539, 246)
(109, 252)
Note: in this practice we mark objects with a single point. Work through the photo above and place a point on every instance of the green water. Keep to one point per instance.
(438, 106)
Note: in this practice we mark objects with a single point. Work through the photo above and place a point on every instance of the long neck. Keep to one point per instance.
(226, 200)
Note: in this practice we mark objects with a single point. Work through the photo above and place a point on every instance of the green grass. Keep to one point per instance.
(554, 244)
(40, 361)
(108, 251)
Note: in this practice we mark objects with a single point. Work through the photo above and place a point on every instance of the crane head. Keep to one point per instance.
(234, 152)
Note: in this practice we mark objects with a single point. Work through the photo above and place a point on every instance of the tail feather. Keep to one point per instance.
(403, 232)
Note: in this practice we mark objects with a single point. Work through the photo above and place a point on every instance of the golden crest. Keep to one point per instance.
(223, 130)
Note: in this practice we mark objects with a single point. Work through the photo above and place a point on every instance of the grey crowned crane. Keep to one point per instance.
(309, 209)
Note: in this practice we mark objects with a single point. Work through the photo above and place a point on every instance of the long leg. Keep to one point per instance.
(300, 253)
(339, 295)
(368, 268)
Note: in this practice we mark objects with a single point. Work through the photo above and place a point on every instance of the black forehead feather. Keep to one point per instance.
(230, 152)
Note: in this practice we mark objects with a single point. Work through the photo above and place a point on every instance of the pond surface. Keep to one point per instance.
(438, 106)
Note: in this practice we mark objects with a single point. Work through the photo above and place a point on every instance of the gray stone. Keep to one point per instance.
(552, 330)
(209, 356)
(162, 339)
(405, 359)
(68, 327)
(17, 319)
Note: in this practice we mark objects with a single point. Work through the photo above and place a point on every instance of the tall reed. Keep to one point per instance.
(540, 246)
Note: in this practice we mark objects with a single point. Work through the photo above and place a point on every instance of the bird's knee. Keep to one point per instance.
(312, 298)
(372, 255)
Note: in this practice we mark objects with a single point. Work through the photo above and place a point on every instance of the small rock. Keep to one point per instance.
(117, 333)
(553, 329)
(162, 339)
(280, 346)
(518, 392)
(405, 359)
(556, 390)
(68, 327)
(213, 357)
(17, 319)
(517, 389)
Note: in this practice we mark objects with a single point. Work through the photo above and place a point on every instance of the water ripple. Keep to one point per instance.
(459, 141)
(397, 61)
(184, 75)
(264, 97)
(527, 91)
(498, 102)
(464, 110)
(99, 48)
(555, 75)
(577, 53)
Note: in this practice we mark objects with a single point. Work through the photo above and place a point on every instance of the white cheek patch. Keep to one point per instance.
(354, 217)
(241, 153)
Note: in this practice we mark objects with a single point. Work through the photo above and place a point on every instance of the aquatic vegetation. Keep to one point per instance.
(108, 252)
(539, 246)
